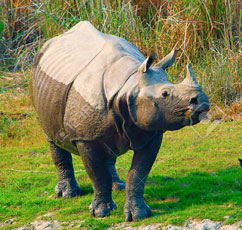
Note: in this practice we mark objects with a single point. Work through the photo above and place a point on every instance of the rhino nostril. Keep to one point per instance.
(194, 101)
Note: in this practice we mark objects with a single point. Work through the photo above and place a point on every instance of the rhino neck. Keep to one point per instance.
(124, 123)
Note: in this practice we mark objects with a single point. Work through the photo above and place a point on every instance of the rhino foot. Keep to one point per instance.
(118, 185)
(99, 208)
(66, 189)
(136, 209)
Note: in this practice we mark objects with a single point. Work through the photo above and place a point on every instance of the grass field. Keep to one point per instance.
(195, 175)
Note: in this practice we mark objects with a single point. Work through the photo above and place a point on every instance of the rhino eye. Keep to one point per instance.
(165, 94)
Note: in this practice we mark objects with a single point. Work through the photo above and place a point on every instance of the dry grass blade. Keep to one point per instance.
(206, 30)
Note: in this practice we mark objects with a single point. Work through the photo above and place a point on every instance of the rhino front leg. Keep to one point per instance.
(95, 162)
(117, 184)
(135, 208)
(67, 186)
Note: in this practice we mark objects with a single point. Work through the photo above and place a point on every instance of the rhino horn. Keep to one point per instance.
(147, 63)
(168, 60)
(190, 79)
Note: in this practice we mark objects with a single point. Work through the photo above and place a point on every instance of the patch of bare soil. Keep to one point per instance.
(190, 225)
(206, 224)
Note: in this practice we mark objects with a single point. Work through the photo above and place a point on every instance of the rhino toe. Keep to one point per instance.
(136, 209)
(67, 190)
(101, 209)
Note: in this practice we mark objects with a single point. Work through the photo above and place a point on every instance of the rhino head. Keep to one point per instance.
(157, 104)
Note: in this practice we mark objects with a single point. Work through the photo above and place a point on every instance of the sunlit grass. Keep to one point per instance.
(194, 176)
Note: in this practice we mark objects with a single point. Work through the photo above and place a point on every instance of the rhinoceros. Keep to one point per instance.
(97, 96)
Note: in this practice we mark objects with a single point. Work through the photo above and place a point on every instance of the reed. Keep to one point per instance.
(208, 32)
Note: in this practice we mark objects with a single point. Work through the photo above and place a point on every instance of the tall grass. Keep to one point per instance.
(208, 32)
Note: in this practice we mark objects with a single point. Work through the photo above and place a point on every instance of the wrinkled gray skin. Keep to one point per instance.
(97, 96)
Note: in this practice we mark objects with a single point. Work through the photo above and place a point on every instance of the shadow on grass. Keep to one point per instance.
(167, 195)
(86, 189)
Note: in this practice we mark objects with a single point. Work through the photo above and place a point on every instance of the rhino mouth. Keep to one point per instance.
(193, 114)
(197, 115)
(200, 108)
(181, 112)
(193, 110)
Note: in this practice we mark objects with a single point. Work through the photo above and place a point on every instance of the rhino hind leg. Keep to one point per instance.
(117, 184)
(67, 186)
(95, 162)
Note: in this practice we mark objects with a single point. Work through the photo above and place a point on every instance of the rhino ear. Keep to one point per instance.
(167, 61)
(147, 63)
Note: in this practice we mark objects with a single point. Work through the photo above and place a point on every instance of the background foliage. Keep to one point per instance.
(208, 32)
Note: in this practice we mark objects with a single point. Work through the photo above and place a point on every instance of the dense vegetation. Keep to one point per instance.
(208, 32)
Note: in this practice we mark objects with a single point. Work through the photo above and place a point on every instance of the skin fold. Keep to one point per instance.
(97, 96)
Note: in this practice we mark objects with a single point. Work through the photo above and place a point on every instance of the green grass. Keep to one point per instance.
(193, 176)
